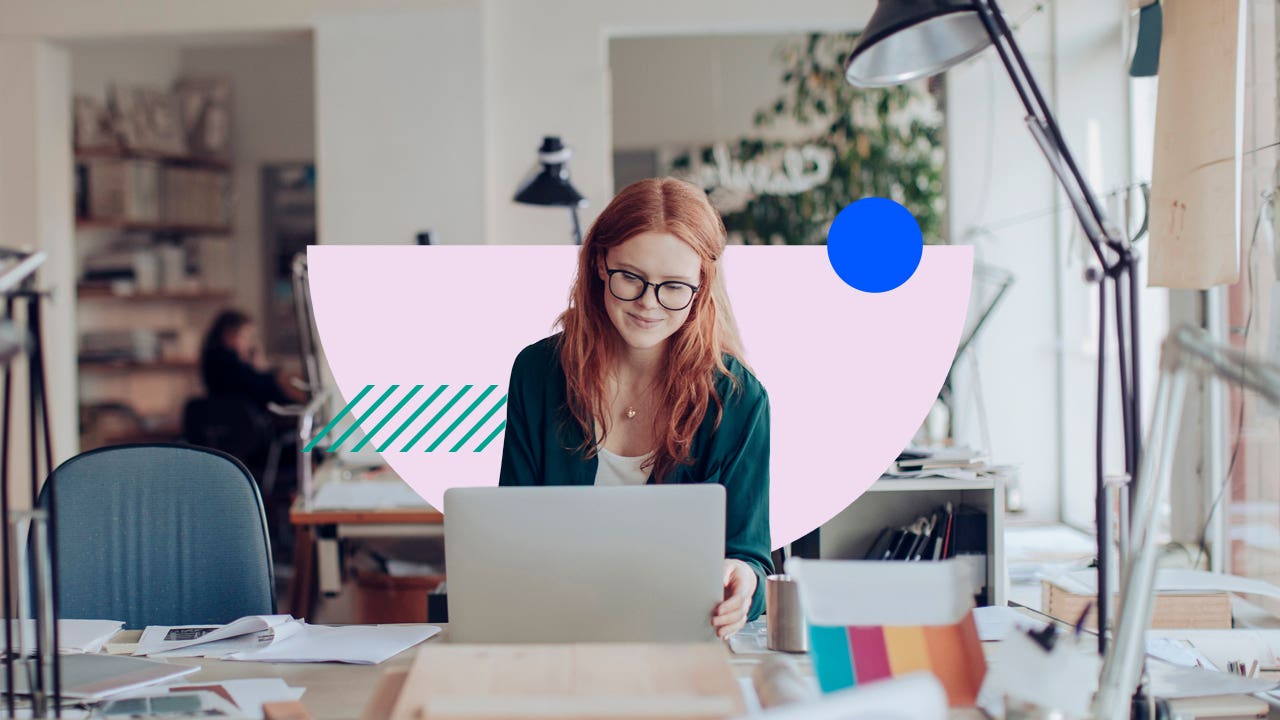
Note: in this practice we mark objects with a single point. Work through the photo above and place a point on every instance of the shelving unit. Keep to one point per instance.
(849, 534)
(142, 205)
(83, 154)
(155, 227)
(94, 292)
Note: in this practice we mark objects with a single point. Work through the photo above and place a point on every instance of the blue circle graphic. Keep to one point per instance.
(875, 245)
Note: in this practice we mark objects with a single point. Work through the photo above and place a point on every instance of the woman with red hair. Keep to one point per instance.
(646, 382)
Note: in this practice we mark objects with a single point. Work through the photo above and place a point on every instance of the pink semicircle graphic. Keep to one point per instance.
(850, 375)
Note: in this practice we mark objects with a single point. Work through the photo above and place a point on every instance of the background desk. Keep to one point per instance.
(317, 529)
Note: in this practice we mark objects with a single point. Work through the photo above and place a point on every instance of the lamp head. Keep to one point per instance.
(907, 40)
(550, 183)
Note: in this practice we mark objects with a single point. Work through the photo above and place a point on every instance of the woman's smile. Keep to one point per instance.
(644, 323)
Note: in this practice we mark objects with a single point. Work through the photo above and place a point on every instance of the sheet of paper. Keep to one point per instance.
(356, 644)
(250, 694)
(1172, 682)
(164, 638)
(1019, 665)
(242, 643)
(1171, 580)
(752, 638)
(74, 636)
(1177, 652)
(1222, 647)
(366, 494)
(996, 622)
(94, 676)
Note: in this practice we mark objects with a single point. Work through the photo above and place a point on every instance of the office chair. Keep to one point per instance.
(159, 535)
(237, 427)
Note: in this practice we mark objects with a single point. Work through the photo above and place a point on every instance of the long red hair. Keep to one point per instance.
(693, 355)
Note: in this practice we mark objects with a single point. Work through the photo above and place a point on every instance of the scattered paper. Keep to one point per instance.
(74, 636)
(1177, 652)
(996, 622)
(356, 644)
(1169, 580)
(249, 694)
(752, 638)
(93, 676)
(366, 494)
(1217, 649)
(247, 633)
(1019, 665)
(1172, 682)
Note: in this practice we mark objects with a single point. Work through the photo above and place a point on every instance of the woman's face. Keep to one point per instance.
(242, 341)
(651, 257)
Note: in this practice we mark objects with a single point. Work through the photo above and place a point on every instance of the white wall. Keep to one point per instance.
(95, 66)
(35, 193)
(547, 72)
(692, 90)
(399, 126)
(273, 120)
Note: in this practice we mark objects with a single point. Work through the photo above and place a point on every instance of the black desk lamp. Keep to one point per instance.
(550, 185)
(910, 39)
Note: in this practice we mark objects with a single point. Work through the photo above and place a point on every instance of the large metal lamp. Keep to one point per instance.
(911, 39)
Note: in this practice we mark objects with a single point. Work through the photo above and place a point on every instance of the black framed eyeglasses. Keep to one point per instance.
(627, 286)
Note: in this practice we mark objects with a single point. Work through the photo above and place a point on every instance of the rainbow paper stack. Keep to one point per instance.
(871, 621)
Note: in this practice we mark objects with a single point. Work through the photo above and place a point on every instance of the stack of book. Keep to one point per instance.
(957, 463)
(948, 532)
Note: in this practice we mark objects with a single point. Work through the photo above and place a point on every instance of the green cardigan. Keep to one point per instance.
(541, 441)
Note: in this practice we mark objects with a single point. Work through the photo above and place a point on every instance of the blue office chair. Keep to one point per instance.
(159, 535)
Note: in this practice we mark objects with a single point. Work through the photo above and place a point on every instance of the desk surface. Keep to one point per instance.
(340, 691)
(381, 510)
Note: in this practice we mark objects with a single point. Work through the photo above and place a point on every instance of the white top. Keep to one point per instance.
(614, 469)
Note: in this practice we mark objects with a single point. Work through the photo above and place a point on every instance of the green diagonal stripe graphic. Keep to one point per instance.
(461, 417)
(482, 421)
(341, 439)
(501, 426)
(336, 418)
(412, 417)
(437, 417)
(384, 420)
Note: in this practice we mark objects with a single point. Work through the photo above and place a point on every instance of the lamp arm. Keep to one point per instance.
(1122, 664)
(1044, 129)
(1188, 350)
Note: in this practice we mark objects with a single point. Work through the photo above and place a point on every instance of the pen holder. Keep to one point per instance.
(784, 617)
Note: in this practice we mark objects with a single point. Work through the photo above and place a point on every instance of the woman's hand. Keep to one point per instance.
(739, 587)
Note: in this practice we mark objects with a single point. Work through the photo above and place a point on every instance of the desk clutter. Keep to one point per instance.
(282, 639)
(104, 678)
(917, 620)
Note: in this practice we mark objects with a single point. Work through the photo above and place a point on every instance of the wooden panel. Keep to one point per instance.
(632, 681)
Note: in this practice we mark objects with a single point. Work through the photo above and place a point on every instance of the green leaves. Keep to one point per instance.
(885, 143)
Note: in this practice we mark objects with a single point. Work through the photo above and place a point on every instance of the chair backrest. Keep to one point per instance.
(231, 424)
(159, 535)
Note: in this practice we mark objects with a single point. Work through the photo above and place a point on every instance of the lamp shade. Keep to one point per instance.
(910, 39)
(550, 183)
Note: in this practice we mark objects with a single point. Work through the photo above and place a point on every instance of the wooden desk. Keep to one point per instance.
(341, 692)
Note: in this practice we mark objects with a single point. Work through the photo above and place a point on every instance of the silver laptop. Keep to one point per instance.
(584, 563)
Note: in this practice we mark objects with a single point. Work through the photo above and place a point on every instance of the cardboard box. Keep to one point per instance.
(1178, 610)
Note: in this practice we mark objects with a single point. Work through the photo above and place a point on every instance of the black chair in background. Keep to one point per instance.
(236, 426)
